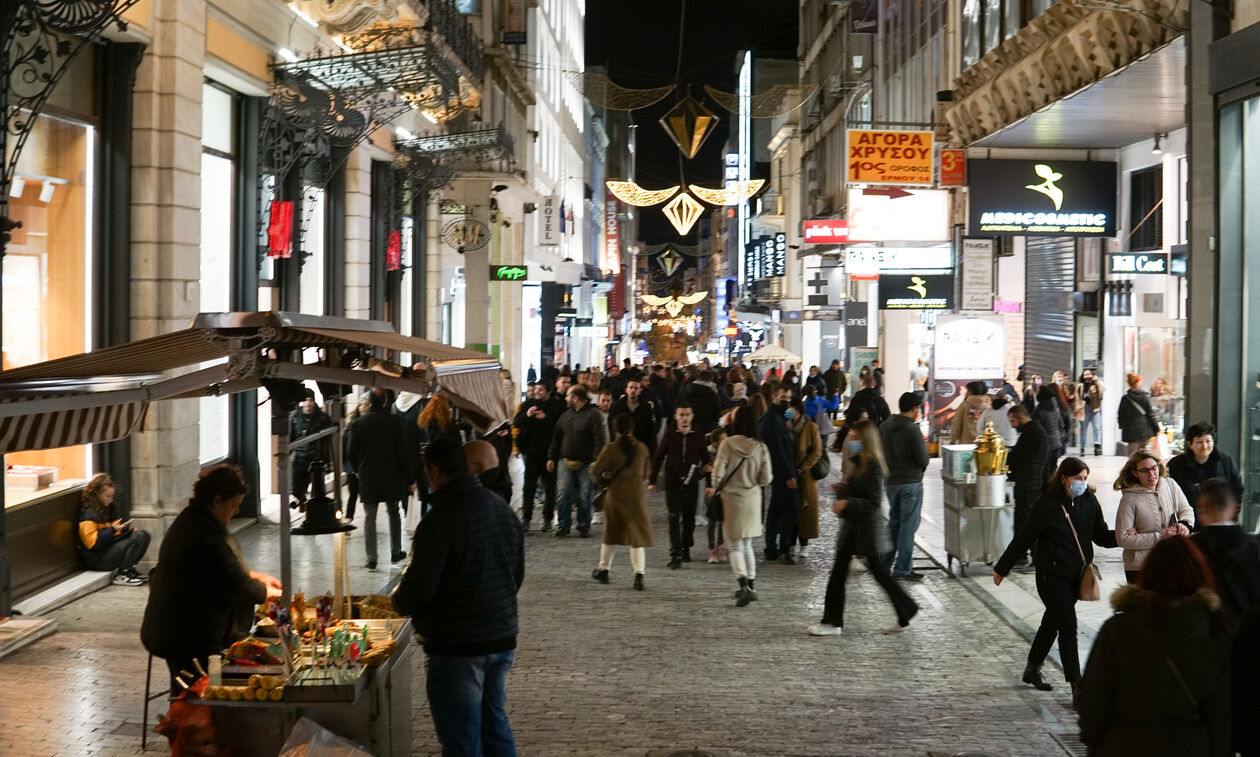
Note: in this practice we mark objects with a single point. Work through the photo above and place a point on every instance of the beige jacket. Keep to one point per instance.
(741, 498)
(1149, 512)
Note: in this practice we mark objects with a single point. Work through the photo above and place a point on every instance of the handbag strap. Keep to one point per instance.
(1075, 538)
(1185, 688)
(727, 480)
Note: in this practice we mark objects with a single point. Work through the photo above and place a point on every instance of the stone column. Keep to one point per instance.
(358, 233)
(166, 242)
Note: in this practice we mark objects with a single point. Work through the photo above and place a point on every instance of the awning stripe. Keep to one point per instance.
(67, 428)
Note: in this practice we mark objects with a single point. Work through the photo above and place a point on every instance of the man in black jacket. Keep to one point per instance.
(467, 564)
(781, 515)
(684, 453)
(306, 420)
(1202, 461)
(702, 395)
(1233, 553)
(835, 379)
(378, 447)
(644, 412)
(579, 437)
(1027, 462)
(534, 422)
(907, 458)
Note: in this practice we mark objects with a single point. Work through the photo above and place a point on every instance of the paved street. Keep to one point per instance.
(605, 670)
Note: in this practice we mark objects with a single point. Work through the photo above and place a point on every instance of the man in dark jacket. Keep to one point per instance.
(306, 420)
(835, 379)
(643, 410)
(579, 437)
(781, 515)
(1202, 461)
(907, 458)
(535, 422)
(684, 453)
(378, 446)
(1233, 554)
(467, 564)
(1027, 463)
(702, 395)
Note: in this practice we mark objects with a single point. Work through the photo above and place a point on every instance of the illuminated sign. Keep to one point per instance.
(919, 291)
(776, 255)
(280, 230)
(730, 331)
(1042, 198)
(1138, 262)
(890, 157)
(917, 215)
(953, 168)
(612, 234)
(869, 261)
(826, 232)
(509, 273)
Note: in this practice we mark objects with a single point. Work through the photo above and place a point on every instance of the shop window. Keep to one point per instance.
(312, 282)
(970, 32)
(1158, 356)
(218, 198)
(1146, 209)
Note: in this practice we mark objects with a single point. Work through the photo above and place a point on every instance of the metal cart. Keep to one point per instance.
(979, 519)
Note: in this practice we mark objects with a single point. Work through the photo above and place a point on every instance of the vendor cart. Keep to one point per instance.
(979, 510)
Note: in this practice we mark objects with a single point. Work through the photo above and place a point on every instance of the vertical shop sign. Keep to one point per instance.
(977, 275)
(280, 230)
(550, 231)
(612, 234)
(855, 326)
(776, 255)
(393, 252)
(953, 168)
(514, 23)
(617, 297)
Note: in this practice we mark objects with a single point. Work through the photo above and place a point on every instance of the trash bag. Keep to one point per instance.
(190, 727)
(310, 739)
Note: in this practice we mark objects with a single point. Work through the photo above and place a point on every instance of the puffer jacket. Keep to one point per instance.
(1150, 512)
(579, 435)
(1051, 417)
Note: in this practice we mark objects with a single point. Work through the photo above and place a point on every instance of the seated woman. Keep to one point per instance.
(106, 542)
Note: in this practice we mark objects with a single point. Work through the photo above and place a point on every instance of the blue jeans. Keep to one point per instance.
(574, 483)
(466, 699)
(905, 503)
(1091, 419)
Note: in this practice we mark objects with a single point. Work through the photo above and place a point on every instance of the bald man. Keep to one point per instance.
(483, 462)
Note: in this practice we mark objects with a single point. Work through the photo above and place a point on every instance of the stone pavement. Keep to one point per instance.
(605, 670)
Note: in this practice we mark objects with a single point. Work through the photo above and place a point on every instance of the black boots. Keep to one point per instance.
(744, 595)
(600, 575)
(1032, 677)
(752, 589)
(638, 581)
(1097, 450)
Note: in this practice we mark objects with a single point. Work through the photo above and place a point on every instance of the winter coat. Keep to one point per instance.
(1189, 475)
(1027, 459)
(704, 402)
(1234, 556)
(741, 494)
(835, 380)
(778, 440)
(862, 521)
(1051, 418)
(1088, 398)
(644, 414)
(1136, 417)
(1131, 702)
(904, 450)
(407, 408)
(1055, 547)
(378, 447)
(1001, 423)
(626, 519)
(1150, 513)
(201, 596)
(677, 453)
(818, 382)
(579, 435)
(818, 410)
(808, 448)
(302, 424)
(533, 435)
(964, 429)
(868, 401)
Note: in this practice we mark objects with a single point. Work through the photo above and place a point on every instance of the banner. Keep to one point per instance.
(919, 291)
(855, 324)
(617, 296)
(977, 275)
(280, 230)
(612, 234)
(393, 252)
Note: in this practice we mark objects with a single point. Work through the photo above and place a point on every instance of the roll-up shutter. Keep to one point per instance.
(1049, 270)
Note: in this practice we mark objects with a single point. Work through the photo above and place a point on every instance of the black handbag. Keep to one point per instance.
(713, 505)
(822, 468)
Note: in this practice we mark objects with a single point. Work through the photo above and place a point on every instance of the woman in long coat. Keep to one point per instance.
(626, 462)
(740, 470)
(809, 448)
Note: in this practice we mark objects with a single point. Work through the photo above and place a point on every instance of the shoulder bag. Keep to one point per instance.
(822, 468)
(713, 505)
(1091, 576)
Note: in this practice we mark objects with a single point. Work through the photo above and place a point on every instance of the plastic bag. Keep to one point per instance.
(310, 739)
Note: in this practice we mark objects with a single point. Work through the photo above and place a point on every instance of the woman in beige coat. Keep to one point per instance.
(625, 461)
(741, 469)
(809, 448)
(1151, 508)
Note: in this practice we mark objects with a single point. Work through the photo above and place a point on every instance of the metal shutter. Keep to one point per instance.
(1048, 321)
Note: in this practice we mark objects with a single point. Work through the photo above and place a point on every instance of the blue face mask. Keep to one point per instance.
(1078, 488)
(789, 413)
(855, 448)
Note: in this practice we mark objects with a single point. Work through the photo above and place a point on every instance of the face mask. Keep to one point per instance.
(855, 448)
(790, 413)
(1078, 488)
(784, 405)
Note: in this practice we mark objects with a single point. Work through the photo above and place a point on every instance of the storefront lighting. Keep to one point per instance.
(300, 14)
(740, 191)
(287, 55)
(46, 192)
(683, 212)
(1158, 148)
(17, 187)
(429, 117)
(403, 133)
(633, 194)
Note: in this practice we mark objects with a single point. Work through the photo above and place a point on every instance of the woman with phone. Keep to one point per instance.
(107, 542)
(1152, 507)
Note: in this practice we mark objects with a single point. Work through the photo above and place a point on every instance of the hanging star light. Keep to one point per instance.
(737, 193)
(689, 123)
(683, 212)
(674, 305)
(669, 262)
(633, 194)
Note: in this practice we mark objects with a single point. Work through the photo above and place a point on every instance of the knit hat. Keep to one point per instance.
(739, 391)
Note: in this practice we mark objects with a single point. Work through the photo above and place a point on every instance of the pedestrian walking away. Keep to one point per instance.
(1136, 418)
(378, 447)
(684, 453)
(1232, 553)
(467, 565)
(808, 450)
(740, 471)
(907, 459)
(622, 469)
(862, 531)
(964, 428)
(713, 506)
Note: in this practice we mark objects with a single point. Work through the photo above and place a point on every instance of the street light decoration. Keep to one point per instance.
(633, 194)
(740, 192)
(674, 305)
(689, 124)
(683, 212)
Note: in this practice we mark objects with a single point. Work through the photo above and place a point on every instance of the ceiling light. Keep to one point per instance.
(429, 117)
(287, 55)
(46, 192)
(403, 133)
(298, 12)
(1157, 149)
(17, 187)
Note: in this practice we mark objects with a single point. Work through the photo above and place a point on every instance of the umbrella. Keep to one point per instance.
(772, 353)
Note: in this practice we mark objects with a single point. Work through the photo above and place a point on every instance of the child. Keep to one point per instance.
(682, 450)
(713, 510)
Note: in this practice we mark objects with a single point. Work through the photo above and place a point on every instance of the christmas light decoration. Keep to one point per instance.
(737, 193)
(683, 212)
(633, 194)
(674, 305)
(689, 123)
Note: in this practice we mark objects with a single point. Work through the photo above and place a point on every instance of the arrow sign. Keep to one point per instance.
(891, 193)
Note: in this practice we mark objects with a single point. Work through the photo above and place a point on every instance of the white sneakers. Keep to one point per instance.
(824, 629)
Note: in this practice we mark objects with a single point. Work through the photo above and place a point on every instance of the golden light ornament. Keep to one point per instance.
(743, 190)
(689, 123)
(674, 305)
(683, 212)
(633, 194)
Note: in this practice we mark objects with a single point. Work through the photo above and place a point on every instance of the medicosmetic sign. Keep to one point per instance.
(1042, 198)
(890, 157)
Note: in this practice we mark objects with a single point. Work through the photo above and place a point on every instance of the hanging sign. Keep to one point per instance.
(466, 234)
(776, 255)
(1042, 198)
(549, 232)
(509, 272)
(1138, 262)
(514, 23)
(612, 234)
(919, 291)
(953, 168)
(393, 252)
(280, 230)
(833, 231)
(977, 275)
(890, 157)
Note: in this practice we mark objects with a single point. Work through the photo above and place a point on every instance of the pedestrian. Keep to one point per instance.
(1031, 387)
(1136, 417)
(1158, 678)
(531, 376)
(1200, 461)
(742, 468)
(467, 565)
(1152, 507)
(1027, 464)
(713, 506)
(835, 379)
(1089, 393)
(622, 468)
(907, 458)
(641, 408)
(499, 480)
(1058, 382)
(996, 413)
(202, 594)
(702, 395)
(866, 402)
(819, 409)
(918, 384)
(408, 408)
(352, 478)
(579, 435)
(604, 401)
(534, 423)
(1050, 415)
(1233, 554)
(808, 449)
(483, 462)
(1065, 525)
(549, 373)
(782, 511)
(877, 374)
(378, 447)
(684, 454)
(307, 419)
(862, 529)
(106, 542)
(964, 428)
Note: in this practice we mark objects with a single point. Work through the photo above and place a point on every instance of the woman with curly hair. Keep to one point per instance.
(1152, 507)
(106, 542)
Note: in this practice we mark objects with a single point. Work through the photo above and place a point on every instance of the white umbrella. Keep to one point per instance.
(772, 353)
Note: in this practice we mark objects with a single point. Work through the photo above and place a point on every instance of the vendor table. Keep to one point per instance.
(979, 519)
(377, 715)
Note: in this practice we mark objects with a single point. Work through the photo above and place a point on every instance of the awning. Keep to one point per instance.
(67, 428)
(772, 353)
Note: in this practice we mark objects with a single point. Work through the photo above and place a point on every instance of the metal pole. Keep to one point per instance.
(280, 432)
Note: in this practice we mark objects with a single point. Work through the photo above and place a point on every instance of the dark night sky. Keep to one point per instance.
(637, 40)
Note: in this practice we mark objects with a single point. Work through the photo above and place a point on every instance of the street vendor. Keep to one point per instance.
(202, 593)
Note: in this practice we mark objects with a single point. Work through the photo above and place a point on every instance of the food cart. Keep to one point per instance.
(979, 505)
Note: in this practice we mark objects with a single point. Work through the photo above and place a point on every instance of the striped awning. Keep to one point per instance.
(477, 392)
(67, 428)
